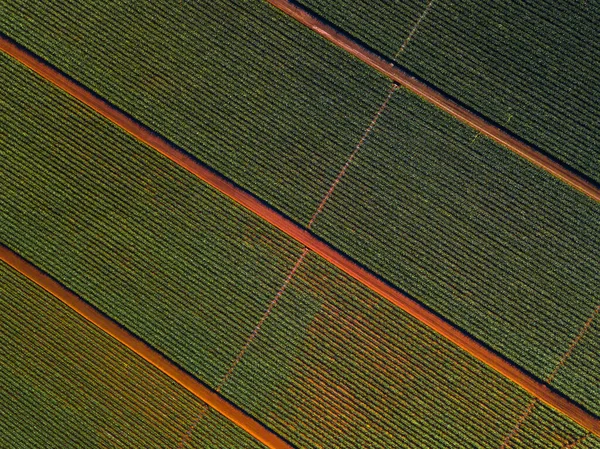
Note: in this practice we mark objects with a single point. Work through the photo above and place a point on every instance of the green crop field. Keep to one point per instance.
(191, 273)
(501, 248)
(288, 184)
(529, 66)
(66, 384)
(580, 378)
(256, 96)
(382, 26)
(143, 240)
(376, 378)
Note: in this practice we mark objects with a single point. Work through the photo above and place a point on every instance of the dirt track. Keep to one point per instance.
(538, 389)
(204, 393)
(437, 98)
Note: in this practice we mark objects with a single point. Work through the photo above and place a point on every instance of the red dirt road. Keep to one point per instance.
(536, 388)
(202, 392)
(437, 98)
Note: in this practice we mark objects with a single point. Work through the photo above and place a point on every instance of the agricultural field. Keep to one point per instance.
(583, 369)
(210, 123)
(64, 383)
(191, 273)
(530, 67)
(500, 248)
(254, 95)
(147, 243)
(382, 26)
(377, 378)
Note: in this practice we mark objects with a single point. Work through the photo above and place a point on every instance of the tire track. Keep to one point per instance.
(439, 99)
(481, 352)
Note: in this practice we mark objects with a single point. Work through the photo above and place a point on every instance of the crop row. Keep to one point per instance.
(498, 247)
(528, 67)
(374, 376)
(251, 93)
(382, 26)
(191, 273)
(67, 384)
(147, 243)
(582, 371)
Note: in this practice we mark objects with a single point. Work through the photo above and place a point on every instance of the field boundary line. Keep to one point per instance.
(437, 98)
(303, 255)
(481, 352)
(141, 348)
(586, 326)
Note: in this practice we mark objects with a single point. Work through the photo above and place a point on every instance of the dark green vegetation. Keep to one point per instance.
(191, 273)
(529, 66)
(256, 96)
(344, 368)
(66, 384)
(503, 250)
(381, 25)
(540, 423)
(199, 91)
(500, 248)
(147, 243)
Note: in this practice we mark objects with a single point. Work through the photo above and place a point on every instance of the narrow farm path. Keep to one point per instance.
(538, 389)
(202, 392)
(439, 99)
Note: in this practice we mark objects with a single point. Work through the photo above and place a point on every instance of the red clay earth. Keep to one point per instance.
(138, 346)
(439, 99)
(536, 388)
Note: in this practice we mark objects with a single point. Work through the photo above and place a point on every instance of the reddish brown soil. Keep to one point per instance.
(538, 389)
(439, 99)
(204, 393)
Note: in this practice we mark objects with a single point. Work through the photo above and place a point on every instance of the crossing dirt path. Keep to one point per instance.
(538, 389)
(434, 96)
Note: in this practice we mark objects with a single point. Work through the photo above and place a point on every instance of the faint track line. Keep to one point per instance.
(439, 99)
(414, 29)
(520, 422)
(314, 216)
(188, 434)
(345, 167)
(292, 272)
(249, 341)
(141, 348)
(305, 237)
(552, 376)
(574, 343)
(266, 315)
(393, 88)
(576, 443)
